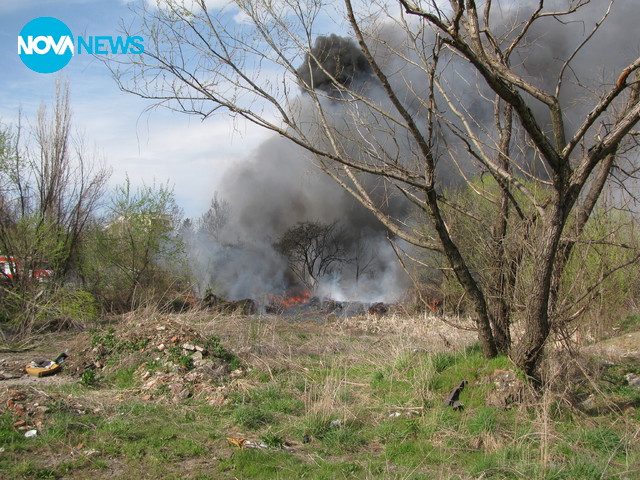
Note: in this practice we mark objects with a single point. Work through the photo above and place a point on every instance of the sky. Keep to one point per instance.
(148, 145)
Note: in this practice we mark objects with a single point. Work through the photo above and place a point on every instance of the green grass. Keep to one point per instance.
(327, 416)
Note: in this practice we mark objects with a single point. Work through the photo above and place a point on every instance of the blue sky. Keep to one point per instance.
(156, 145)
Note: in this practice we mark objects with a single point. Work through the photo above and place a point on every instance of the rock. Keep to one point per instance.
(589, 403)
(508, 390)
(633, 380)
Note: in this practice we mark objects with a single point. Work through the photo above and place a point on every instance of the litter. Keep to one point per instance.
(46, 367)
(244, 443)
(453, 400)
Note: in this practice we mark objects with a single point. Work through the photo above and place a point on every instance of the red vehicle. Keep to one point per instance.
(11, 268)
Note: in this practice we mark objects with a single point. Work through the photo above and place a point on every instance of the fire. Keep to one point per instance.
(278, 303)
(291, 300)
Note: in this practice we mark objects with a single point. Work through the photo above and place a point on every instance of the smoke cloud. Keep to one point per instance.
(279, 186)
(334, 63)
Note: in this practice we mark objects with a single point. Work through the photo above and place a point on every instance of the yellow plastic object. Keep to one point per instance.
(43, 372)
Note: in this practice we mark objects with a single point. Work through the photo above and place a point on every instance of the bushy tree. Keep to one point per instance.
(137, 255)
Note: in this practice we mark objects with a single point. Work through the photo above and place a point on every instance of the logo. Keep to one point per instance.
(46, 45)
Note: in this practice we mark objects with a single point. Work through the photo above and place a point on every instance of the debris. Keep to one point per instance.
(379, 308)
(176, 361)
(633, 380)
(409, 413)
(31, 433)
(508, 390)
(453, 400)
(336, 423)
(245, 443)
(42, 368)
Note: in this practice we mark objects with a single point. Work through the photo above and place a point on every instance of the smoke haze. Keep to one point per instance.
(279, 186)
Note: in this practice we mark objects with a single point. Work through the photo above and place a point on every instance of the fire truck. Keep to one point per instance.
(12, 268)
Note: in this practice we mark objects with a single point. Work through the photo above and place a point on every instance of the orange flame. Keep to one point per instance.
(291, 300)
(286, 301)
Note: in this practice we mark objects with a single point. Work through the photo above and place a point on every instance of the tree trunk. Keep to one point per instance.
(537, 326)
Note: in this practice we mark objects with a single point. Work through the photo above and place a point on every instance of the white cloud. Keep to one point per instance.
(191, 4)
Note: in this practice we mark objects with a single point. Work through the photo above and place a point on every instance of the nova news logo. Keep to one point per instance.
(46, 45)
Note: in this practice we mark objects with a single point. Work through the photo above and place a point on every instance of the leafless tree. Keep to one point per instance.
(313, 250)
(426, 98)
(51, 187)
(215, 218)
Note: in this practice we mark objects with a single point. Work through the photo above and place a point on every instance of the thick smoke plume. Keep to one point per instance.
(278, 186)
(334, 62)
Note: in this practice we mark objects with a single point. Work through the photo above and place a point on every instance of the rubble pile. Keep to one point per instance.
(31, 407)
(174, 361)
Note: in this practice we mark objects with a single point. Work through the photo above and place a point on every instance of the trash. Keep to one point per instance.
(238, 442)
(244, 443)
(633, 380)
(46, 367)
(336, 423)
(31, 433)
(453, 400)
(408, 413)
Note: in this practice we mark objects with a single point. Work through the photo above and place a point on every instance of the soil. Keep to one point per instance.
(621, 349)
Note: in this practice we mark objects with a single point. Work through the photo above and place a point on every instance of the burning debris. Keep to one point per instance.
(278, 304)
(303, 302)
(245, 306)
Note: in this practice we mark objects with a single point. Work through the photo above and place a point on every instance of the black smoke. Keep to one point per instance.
(279, 185)
(333, 64)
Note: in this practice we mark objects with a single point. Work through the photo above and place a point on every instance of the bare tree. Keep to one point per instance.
(51, 188)
(425, 98)
(313, 250)
(213, 221)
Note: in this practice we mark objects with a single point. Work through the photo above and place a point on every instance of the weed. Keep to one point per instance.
(89, 378)
(182, 359)
(215, 348)
(484, 420)
(252, 417)
(272, 440)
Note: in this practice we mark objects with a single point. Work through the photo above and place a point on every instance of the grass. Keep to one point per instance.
(327, 401)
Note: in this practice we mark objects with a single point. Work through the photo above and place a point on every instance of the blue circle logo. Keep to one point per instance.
(45, 45)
